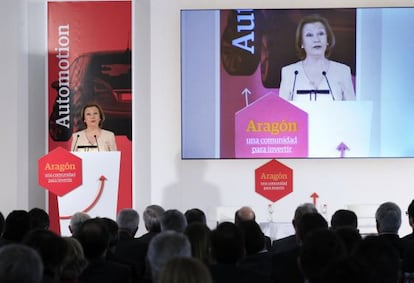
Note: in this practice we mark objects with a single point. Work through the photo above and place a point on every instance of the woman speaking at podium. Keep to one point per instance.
(315, 77)
(93, 138)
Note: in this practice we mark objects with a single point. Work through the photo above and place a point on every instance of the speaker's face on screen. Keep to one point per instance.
(314, 39)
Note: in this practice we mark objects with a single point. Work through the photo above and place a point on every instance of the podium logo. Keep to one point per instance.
(60, 171)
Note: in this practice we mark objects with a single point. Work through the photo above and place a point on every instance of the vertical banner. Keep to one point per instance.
(89, 61)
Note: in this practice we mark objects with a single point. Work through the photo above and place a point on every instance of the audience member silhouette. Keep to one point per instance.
(227, 247)
(94, 238)
(174, 220)
(128, 249)
(20, 264)
(185, 270)
(16, 226)
(243, 214)
(165, 246)
(76, 221)
(195, 215)
(345, 270)
(320, 247)
(74, 261)
(380, 260)
(199, 236)
(257, 258)
(128, 222)
(246, 213)
(349, 236)
(388, 222)
(151, 216)
(51, 248)
(39, 219)
(344, 217)
(408, 246)
(291, 242)
(285, 264)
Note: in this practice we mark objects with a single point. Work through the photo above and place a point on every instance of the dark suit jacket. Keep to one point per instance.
(284, 244)
(101, 270)
(261, 263)
(408, 253)
(129, 249)
(285, 268)
(227, 273)
(147, 237)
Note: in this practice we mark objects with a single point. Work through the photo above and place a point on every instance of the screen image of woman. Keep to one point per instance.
(93, 138)
(315, 77)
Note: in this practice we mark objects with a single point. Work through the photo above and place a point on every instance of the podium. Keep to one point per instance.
(333, 123)
(272, 127)
(98, 194)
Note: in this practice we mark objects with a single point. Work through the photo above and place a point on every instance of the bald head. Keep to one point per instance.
(243, 214)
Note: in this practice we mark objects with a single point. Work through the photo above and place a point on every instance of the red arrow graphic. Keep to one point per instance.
(314, 196)
(95, 201)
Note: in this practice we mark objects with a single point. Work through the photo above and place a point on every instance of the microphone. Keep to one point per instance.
(76, 142)
(96, 139)
(294, 83)
(326, 78)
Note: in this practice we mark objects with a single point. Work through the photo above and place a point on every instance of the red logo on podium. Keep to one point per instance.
(274, 180)
(60, 171)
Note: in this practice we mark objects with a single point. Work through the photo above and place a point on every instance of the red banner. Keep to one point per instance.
(89, 61)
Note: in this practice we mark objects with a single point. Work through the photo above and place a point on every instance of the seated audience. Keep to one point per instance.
(128, 221)
(246, 213)
(257, 258)
(76, 221)
(379, 259)
(199, 236)
(94, 238)
(349, 236)
(127, 249)
(344, 217)
(319, 248)
(185, 270)
(345, 270)
(20, 264)
(291, 242)
(344, 223)
(388, 222)
(74, 261)
(151, 216)
(39, 219)
(16, 226)
(174, 220)
(163, 247)
(51, 248)
(408, 246)
(227, 248)
(195, 215)
(243, 214)
(285, 264)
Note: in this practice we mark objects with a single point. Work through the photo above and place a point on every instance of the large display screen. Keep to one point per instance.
(297, 83)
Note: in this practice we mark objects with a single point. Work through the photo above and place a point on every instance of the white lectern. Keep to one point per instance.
(98, 194)
(333, 123)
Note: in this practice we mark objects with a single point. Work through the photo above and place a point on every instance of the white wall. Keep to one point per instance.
(160, 176)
